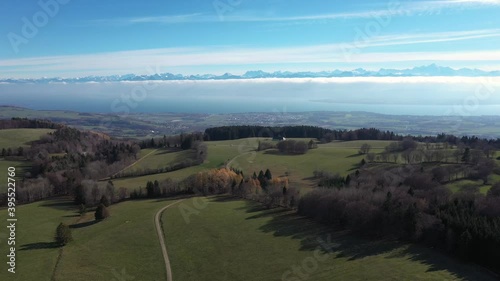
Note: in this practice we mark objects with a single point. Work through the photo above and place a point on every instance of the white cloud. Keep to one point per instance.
(147, 61)
(388, 9)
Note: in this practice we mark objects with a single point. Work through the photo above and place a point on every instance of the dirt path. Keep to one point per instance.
(159, 231)
(138, 160)
(228, 165)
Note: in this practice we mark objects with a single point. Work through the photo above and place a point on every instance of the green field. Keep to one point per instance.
(14, 138)
(464, 185)
(150, 159)
(219, 153)
(125, 242)
(239, 240)
(335, 157)
(21, 168)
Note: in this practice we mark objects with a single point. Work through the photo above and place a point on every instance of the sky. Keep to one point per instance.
(73, 38)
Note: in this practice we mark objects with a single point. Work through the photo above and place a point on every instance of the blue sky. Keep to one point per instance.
(78, 38)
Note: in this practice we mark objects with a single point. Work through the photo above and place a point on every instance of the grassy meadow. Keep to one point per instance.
(14, 138)
(233, 239)
(125, 242)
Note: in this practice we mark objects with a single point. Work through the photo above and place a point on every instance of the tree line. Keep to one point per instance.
(25, 123)
(328, 135)
(262, 187)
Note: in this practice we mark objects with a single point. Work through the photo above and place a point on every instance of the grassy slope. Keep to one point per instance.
(126, 241)
(36, 256)
(218, 154)
(160, 158)
(238, 240)
(337, 157)
(15, 138)
(21, 167)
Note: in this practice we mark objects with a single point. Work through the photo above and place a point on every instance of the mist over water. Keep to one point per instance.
(470, 96)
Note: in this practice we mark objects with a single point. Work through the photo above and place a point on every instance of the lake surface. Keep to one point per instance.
(407, 95)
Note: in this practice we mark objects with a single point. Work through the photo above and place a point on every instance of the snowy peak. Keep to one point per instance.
(428, 70)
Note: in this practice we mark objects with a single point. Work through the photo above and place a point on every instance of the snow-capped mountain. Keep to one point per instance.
(429, 70)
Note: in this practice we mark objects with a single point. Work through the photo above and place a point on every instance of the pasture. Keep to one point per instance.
(126, 242)
(14, 138)
(231, 239)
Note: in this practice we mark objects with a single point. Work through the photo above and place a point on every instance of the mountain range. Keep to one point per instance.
(429, 70)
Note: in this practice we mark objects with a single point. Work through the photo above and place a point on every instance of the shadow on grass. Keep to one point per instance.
(60, 204)
(278, 153)
(354, 155)
(72, 216)
(83, 224)
(39, 246)
(168, 151)
(225, 198)
(343, 244)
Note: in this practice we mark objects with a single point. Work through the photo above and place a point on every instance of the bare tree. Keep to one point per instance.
(365, 148)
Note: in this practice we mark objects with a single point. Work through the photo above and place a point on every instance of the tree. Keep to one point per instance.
(104, 201)
(20, 151)
(370, 157)
(395, 157)
(466, 155)
(82, 210)
(365, 148)
(312, 144)
(63, 234)
(80, 194)
(362, 163)
(101, 212)
(268, 175)
(347, 180)
(495, 190)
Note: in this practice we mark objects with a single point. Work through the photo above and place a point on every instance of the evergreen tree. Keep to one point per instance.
(101, 212)
(63, 234)
(105, 201)
(79, 194)
(466, 155)
(347, 180)
(268, 175)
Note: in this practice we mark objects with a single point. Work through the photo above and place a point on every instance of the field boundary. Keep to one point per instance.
(160, 233)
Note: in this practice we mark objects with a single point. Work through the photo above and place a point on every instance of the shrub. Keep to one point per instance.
(63, 234)
(101, 212)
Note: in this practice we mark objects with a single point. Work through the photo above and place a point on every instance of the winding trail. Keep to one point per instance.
(137, 161)
(228, 165)
(159, 231)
